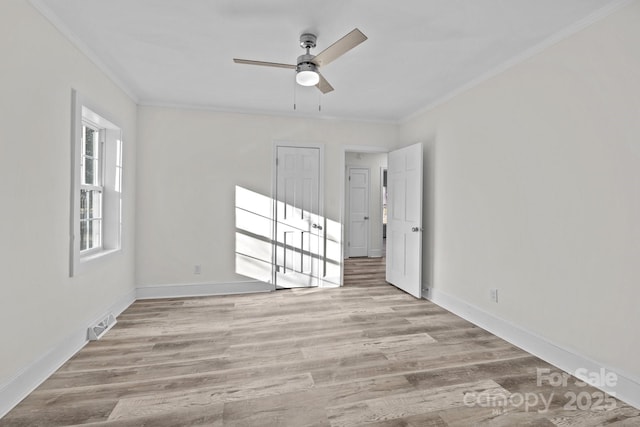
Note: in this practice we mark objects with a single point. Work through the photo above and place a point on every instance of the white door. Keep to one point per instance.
(404, 219)
(358, 212)
(298, 224)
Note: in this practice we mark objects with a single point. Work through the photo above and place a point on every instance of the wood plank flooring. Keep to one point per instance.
(364, 354)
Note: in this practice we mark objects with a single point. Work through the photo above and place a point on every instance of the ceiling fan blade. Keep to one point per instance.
(265, 64)
(323, 85)
(339, 48)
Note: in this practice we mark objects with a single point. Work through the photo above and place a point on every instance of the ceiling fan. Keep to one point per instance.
(307, 65)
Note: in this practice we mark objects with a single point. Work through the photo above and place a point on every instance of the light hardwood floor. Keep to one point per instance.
(363, 354)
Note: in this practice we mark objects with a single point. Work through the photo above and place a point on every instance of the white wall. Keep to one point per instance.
(534, 189)
(374, 162)
(189, 163)
(40, 306)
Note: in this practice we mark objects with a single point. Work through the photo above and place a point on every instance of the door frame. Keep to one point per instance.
(274, 185)
(383, 171)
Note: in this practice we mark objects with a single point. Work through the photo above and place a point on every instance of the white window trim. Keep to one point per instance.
(84, 111)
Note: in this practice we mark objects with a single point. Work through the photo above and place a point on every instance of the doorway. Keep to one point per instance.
(363, 204)
(400, 173)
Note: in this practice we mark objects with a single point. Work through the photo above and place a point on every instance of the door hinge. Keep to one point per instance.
(349, 177)
(276, 161)
(348, 243)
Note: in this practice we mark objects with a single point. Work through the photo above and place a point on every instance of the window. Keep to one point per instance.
(96, 186)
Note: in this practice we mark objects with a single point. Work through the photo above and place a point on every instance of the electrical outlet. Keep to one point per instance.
(197, 269)
(493, 294)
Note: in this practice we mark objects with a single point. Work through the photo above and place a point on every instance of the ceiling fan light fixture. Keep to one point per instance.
(307, 75)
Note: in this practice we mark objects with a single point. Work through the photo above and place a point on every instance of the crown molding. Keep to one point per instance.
(57, 23)
(556, 38)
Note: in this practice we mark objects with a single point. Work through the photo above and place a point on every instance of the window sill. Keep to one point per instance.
(87, 262)
(96, 255)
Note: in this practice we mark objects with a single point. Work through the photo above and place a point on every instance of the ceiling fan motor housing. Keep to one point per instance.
(308, 41)
(306, 66)
(305, 63)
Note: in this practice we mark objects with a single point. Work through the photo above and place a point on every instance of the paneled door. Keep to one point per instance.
(358, 243)
(404, 219)
(298, 226)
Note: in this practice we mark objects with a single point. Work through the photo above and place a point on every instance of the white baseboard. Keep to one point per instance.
(626, 389)
(31, 376)
(375, 253)
(202, 289)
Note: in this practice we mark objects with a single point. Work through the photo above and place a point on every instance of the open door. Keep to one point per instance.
(404, 219)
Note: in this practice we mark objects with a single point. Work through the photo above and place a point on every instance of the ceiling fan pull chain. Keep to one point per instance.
(319, 102)
(294, 94)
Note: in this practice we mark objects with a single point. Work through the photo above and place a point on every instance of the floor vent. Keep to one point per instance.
(99, 329)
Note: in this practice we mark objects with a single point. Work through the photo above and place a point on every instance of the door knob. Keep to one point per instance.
(319, 227)
(366, 217)
(416, 229)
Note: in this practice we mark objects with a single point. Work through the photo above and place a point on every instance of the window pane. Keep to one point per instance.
(118, 182)
(95, 231)
(90, 142)
(118, 153)
(84, 205)
(83, 236)
(90, 219)
(89, 166)
(90, 204)
(95, 210)
(90, 234)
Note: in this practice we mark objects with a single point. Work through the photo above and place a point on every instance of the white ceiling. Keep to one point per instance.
(419, 52)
